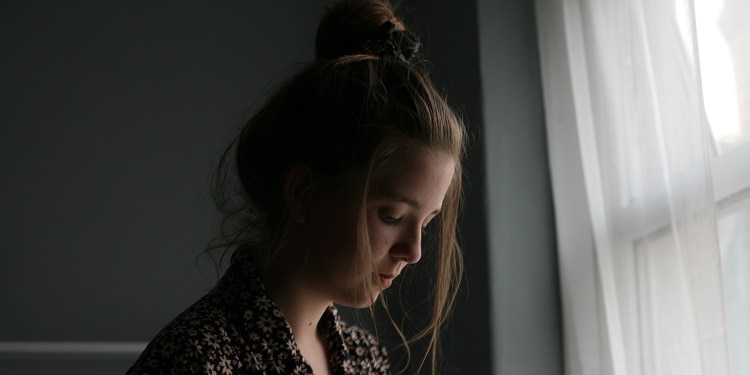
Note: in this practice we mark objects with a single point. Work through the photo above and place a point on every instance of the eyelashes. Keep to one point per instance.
(391, 220)
(388, 219)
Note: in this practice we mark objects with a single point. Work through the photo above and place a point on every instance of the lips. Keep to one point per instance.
(386, 280)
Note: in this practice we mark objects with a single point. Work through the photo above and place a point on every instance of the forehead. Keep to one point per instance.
(418, 174)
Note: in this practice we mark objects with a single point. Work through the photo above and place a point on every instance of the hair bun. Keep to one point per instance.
(364, 27)
(389, 40)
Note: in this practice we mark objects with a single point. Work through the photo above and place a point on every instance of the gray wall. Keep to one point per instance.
(526, 324)
(113, 117)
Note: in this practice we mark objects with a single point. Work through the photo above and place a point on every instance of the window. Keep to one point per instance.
(648, 111)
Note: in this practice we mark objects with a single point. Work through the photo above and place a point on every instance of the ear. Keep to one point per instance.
(296, 188)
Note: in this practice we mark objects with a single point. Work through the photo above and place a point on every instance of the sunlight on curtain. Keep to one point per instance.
(724, 39)
(648, 116)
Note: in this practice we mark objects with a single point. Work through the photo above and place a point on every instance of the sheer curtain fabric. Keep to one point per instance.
(651, 188)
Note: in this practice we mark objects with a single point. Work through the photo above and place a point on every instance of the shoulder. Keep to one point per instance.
(367, 354)
(199, 340)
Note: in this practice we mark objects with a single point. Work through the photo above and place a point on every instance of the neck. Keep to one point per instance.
(301, 307)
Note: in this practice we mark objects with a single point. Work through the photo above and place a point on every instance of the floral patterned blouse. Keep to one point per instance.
(237, 329)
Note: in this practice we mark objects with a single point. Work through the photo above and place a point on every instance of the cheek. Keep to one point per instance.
(381, 239)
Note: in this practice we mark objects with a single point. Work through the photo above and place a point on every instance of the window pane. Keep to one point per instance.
(667, 327)
(734, 238)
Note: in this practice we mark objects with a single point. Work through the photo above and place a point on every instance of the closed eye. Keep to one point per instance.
(388, 219)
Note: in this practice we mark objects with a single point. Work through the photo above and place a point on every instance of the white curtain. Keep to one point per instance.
(651, 180)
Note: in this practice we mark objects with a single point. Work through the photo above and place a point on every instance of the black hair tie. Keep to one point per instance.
(389, 40)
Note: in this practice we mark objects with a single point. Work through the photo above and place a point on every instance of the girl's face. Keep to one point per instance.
(403, 201)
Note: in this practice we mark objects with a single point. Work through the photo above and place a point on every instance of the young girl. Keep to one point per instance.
(339, 175)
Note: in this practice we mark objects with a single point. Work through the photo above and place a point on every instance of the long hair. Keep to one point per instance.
(346, 115)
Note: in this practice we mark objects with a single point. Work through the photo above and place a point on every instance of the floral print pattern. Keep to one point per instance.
(237, 329)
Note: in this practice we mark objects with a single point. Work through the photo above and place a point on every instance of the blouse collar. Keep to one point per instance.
(270, 337)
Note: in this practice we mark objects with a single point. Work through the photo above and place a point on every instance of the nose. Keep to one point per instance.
(409, 249)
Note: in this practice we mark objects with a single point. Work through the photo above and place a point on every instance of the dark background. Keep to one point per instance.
(114, 114)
